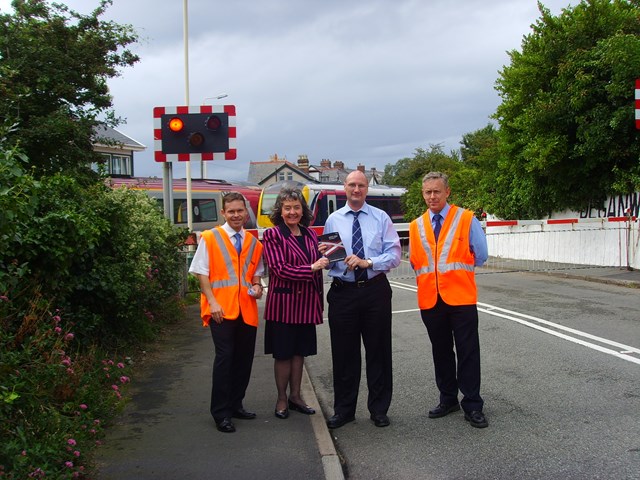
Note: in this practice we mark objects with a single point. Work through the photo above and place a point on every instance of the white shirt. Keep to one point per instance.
(200, 262)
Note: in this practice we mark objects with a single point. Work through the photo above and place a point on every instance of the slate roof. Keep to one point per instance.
(110, 137)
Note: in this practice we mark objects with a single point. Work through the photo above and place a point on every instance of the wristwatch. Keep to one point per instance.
(369, 263)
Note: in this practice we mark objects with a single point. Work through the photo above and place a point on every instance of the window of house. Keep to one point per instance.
(120, 165)
(115, 164)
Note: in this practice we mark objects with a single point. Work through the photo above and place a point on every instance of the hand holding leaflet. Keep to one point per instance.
(334, 249)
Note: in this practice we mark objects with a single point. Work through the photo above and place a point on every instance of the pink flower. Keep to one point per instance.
(120, 365)
(124, 379)
(66, 362)
(57, 330)
(70, 371)
(96, 422)
(4, 298)
(56, 318)
(83, 406)
(68, 464)
(76, 453)
(115, 387)
(68, 337)
(71, 442)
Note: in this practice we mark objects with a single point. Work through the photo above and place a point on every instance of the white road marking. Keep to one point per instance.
(551, 328)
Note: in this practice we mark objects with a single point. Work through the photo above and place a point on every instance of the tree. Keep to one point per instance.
(54, 67)
(408, 173)
(567, 134)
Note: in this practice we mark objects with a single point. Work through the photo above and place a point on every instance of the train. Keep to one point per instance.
(206, 198)
(324, 199)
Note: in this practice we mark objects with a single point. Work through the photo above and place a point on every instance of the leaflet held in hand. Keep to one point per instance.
(335, 249)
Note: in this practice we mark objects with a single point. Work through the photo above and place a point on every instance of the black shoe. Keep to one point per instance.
(380, 420)
(476, 419)
(282, 414)
(442, 410)
(306, 409)
(338, 420)
(243, 414)
(225, 426)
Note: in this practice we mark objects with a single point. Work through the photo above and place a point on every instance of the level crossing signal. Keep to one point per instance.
(206, 132)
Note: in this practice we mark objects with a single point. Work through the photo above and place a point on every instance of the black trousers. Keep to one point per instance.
(235, 343)
(354, 314)
(446, 325)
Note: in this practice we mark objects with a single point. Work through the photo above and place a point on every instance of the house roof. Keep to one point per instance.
(110, 137)
(287, 166)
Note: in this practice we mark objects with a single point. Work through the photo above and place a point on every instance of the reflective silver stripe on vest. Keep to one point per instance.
(228, 263)
(427, 248)
(247, 263)
(443, 266)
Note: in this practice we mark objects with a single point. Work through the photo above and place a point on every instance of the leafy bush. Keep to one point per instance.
(84, 270)
(55, 398)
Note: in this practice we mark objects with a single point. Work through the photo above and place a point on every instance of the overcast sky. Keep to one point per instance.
(361, 81)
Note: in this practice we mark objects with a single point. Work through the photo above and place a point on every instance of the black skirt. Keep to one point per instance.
(285, 340)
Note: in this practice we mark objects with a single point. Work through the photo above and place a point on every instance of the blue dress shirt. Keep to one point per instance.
(477, 237)
(379, 237)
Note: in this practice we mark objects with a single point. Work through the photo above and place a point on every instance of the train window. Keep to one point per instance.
(208, 210)
(204, 210)
(180, 211)
(268, 201)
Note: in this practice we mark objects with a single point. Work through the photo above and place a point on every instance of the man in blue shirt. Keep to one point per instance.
(360, 304)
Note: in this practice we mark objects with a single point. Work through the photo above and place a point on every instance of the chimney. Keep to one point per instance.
(361, 168)
(325, 163)
(338, 164)
(303, 163)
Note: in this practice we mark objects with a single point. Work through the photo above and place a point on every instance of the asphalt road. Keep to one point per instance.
(561, 383)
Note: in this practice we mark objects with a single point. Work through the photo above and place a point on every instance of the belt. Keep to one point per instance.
(338, 282)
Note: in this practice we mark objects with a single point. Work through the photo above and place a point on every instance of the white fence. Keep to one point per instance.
(611, 242)
(603, 242)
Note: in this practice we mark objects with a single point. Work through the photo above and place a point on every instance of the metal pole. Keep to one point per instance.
(167, 190)
(186, 100)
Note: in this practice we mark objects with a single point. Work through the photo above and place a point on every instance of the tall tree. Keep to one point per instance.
(476, 180)
(54, 67)
(567, 133)
(408, 173)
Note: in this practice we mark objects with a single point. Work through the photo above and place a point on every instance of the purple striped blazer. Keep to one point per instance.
(295, 293)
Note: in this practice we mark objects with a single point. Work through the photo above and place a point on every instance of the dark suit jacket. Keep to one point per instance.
(295, 293)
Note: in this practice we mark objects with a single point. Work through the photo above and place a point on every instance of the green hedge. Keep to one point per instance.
(87, 275)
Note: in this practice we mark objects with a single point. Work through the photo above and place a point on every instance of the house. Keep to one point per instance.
(117, 149)
(280, 169)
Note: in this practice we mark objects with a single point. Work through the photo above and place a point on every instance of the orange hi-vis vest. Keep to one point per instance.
(447, 267)
(230, 276)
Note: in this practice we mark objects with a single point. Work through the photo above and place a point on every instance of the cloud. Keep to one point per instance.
(362, 81)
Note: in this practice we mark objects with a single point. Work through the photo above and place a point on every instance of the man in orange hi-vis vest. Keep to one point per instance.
(445, 245)
(228, 264)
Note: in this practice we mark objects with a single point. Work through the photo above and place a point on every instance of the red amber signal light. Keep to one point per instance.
(176, 124)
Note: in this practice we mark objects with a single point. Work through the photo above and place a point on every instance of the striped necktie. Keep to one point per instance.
(357, 246)
(436, 230)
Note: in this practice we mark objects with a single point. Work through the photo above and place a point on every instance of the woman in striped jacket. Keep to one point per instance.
(295, 297)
